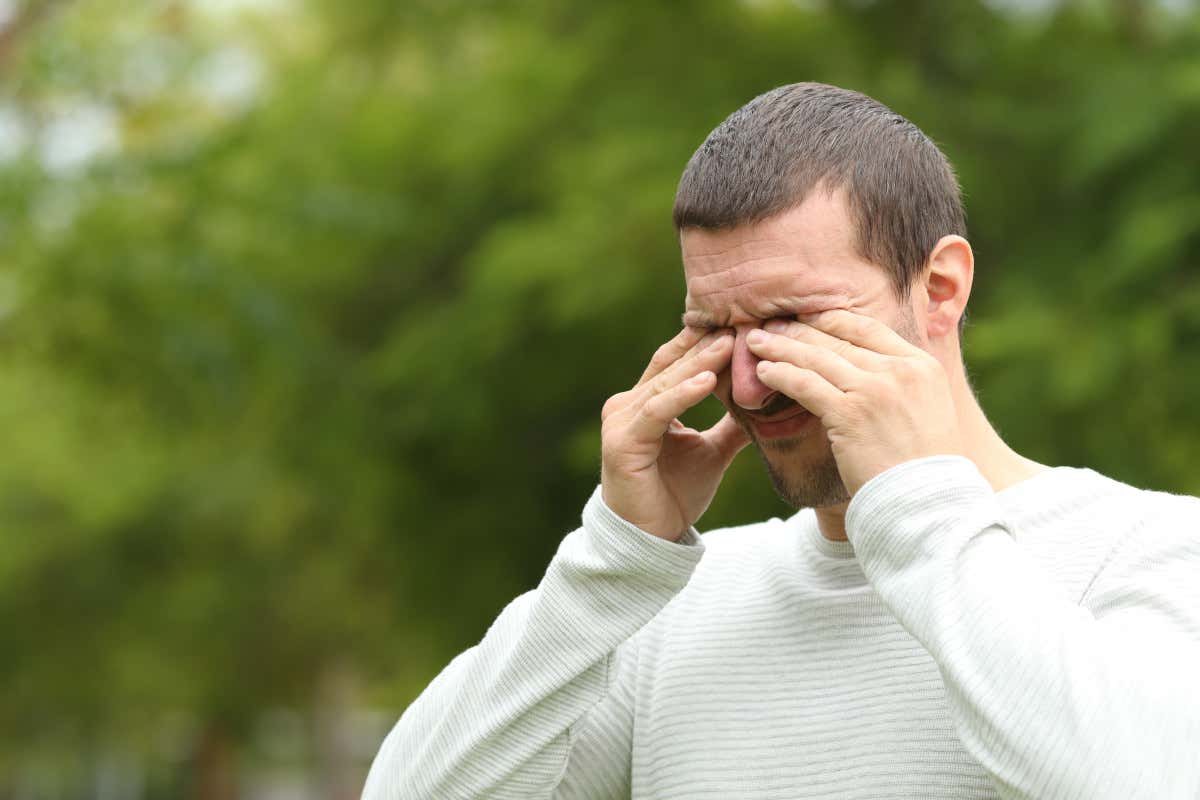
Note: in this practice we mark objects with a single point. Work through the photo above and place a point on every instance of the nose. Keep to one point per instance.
(748, 391)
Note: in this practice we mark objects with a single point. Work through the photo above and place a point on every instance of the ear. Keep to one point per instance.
(945, 286)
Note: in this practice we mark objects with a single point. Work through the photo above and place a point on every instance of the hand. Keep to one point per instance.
(881, 399)
(657, 473)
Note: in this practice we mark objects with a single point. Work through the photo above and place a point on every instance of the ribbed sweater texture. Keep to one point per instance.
(1042, 641)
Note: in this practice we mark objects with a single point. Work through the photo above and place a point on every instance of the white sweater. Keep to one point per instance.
(1038, 642)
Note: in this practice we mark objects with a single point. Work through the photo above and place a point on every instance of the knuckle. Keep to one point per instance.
(654, 411)
(612, 405)
(662, 359)
(911, 371)
(929, 364)
(699, 351)
(613, 440)
(664, 356)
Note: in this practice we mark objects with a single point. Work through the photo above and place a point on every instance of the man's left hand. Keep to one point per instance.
(881, 399)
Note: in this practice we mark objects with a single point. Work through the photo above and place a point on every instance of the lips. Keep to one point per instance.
(787, 413)
(784, 425)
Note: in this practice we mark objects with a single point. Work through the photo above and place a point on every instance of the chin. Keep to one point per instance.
(803, 483)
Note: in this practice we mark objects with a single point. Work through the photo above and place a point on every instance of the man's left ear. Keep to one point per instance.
(946, 285)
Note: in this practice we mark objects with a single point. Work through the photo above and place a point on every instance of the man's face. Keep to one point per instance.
(798, 262)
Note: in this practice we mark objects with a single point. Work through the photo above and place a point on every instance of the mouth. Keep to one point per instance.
(792, 410)
(788, 422)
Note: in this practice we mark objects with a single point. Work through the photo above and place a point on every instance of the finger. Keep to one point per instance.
(712, 353)
(654, 417)
(805, 386)
(727, 437)
(861, 330)
(831, 365)
(666, 355)
(803, 332)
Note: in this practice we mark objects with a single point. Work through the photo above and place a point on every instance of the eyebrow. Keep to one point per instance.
(697, 319)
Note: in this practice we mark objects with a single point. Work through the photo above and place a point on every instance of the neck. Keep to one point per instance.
(999, 463)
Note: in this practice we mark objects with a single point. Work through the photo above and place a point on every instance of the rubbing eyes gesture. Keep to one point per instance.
(881, 399)
(657, 473)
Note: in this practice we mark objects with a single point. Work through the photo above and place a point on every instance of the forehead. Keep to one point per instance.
(798, 261)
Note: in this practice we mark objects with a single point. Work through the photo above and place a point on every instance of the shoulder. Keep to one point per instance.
(1141, 515)
(1169, 526)
(1180, 507)
(1159, 555)
(1147, 510)
(1076, 497)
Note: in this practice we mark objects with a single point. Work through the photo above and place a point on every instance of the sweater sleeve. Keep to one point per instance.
(540, 707)
(1055, 700)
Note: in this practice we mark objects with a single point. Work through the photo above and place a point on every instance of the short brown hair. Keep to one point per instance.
(769, 154)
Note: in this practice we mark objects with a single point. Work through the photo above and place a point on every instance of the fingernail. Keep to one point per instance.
(776, 325)
(718, 341)
(756, 337)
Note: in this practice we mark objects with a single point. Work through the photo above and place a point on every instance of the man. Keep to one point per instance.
(943, 618)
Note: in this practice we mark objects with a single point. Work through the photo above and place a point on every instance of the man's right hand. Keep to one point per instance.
(658, 474)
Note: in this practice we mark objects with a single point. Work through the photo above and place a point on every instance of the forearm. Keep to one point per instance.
(1052, 701)
(495, 723)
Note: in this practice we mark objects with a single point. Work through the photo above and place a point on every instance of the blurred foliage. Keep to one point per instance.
(303, 365)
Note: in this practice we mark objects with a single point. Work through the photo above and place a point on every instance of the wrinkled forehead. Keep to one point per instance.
(737, 276)
(708, 253)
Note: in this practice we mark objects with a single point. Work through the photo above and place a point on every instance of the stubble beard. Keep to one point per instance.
(802, 468)
(815, 484)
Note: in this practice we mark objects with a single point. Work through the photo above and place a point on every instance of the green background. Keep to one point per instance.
(308, 310)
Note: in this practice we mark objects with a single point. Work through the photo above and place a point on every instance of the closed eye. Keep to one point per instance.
(708, 326)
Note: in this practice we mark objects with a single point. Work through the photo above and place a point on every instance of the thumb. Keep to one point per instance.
(727, 437)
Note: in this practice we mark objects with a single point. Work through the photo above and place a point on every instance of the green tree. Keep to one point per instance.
(302, 368)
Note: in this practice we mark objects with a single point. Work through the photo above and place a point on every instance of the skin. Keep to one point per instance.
(656, 472)
(883, 393)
